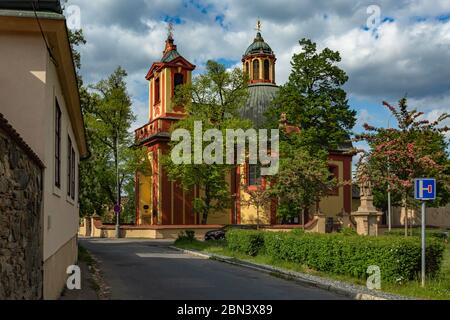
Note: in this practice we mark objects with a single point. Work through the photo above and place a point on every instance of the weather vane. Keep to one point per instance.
(258, 25)
(170, 30)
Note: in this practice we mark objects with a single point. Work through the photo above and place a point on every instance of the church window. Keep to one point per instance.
(266, 70)
(178, 81)
(255, 69)
(254, 175)
(334, 174)
(157, 91)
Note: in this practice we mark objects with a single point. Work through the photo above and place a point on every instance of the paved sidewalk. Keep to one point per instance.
(87, 291)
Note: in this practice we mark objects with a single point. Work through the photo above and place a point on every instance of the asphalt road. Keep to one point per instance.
(150, 270)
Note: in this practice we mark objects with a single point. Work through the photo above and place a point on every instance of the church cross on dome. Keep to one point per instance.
(258, 25)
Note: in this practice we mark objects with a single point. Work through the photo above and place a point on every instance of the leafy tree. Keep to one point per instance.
(418, 148)
(213, 100)
(302, 181)
(108, 118)
(314, 100)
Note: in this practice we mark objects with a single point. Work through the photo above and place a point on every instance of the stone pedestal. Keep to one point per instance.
(367, 217)
(321, 222)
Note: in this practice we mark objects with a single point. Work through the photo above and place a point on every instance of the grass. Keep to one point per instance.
(436, 289)
(85, 256)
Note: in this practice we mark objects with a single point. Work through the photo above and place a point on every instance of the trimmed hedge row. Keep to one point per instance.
(398, 258)
(249, 242)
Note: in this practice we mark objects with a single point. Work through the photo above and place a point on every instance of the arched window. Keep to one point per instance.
(334, 174)
(266, 70)
(177, 81)
(255, 69)
(254, 175)
(247, 68)
(157, 91)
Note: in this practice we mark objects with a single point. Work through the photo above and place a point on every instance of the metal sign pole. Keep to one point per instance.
(423, 243)
(425, 190)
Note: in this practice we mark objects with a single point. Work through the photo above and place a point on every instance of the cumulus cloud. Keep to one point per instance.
(408, 53)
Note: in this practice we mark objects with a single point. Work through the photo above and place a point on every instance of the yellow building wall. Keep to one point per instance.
(145, 199)
(223, 217)
(333, 205)
(249, 214)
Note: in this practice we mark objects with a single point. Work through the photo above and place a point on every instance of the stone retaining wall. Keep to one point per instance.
(20, 218)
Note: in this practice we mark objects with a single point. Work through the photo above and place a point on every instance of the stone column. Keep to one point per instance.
(367, 216)
(94, 234)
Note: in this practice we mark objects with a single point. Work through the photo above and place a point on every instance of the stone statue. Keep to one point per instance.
(365, 184)
(284, 125)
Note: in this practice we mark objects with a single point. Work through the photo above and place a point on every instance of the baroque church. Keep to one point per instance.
(160, 201)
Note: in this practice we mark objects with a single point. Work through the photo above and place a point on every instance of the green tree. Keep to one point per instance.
(108, 118)
(213, 100)
(302, 181)
(314, 100)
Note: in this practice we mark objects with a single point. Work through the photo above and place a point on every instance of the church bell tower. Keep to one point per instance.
(160, 201)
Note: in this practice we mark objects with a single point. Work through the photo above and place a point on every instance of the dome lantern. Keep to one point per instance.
(259, 60)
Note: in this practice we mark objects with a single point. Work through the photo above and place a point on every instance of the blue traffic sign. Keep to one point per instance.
(425, 189)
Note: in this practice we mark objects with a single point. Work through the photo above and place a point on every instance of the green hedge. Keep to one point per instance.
(437, 234)
(398, 258)
(249, 242)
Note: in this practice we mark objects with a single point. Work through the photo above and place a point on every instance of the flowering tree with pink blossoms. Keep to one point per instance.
(416, 149)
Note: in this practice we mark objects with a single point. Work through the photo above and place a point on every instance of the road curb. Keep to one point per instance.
(352, 291)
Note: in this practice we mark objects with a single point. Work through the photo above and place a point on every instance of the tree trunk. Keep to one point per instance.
(257, 217)
(205, 217)
(304, 213)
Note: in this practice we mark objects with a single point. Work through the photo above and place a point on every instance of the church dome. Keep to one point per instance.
(260, 97)
(258, 46)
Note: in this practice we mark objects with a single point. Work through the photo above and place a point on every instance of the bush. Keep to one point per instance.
(249, 242)
(349, 232)
(398, 258)
(188, 235)
(298, 232)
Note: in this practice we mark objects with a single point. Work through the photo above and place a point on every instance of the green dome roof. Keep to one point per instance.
(260, 96)
(258, 46)
(170, 56)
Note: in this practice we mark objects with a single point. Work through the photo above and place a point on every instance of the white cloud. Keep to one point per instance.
(410, 55)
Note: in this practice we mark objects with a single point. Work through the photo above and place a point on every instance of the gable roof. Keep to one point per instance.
(176, 62)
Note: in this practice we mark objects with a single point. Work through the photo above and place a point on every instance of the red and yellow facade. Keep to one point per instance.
(160, 201)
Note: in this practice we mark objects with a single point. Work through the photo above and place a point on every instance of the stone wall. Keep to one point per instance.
(20, 218)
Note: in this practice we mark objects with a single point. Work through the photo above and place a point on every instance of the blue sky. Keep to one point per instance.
(394, 49)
